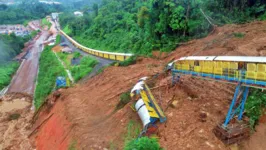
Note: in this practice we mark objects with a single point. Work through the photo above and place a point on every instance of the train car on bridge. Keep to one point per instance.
(245, 69)
(103, 54)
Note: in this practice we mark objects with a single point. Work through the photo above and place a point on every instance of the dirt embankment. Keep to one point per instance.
(84, 115)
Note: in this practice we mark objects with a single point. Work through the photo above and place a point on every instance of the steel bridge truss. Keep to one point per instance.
(237, 106)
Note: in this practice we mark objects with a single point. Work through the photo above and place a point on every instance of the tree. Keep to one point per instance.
(145, 25)
(143, 15)
(95, 9)
(178, 21)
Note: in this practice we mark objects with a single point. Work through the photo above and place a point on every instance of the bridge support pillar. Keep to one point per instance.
(237, 107)
(234, 131)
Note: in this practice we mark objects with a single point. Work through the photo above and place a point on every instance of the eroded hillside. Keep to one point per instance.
(85, 115)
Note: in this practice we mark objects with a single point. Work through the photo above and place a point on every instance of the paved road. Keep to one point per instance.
(24, 80)
(102, 62)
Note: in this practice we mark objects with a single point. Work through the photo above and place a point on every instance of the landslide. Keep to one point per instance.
(85, 115)
(15, 122)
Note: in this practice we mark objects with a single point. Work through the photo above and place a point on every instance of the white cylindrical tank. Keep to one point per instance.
(142, 112)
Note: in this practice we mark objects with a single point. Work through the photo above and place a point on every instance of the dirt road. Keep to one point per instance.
(24, 80)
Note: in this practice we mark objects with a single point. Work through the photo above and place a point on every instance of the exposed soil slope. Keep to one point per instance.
(85, 113)
(224, 43)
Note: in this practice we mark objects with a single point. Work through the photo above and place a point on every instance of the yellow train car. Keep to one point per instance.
(103, 54)
(247, 69)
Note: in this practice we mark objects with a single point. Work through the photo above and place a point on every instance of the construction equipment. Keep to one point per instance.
(243, 71)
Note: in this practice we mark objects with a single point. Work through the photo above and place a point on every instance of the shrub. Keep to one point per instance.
(73, 145)
(58, 39)
(6, 71)
(45, 22)
(254, 106)
(143, 143)
(263, 17)
(130, 61)
(239, 35)
(14, 116)
(67, 30)
(124, 99)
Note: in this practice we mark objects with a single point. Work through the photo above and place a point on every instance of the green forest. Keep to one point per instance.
(10, 46)
(144, 25)
(26, 11)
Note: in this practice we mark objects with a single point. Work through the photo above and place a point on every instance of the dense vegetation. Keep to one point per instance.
(134, 143)
(25, 11)
(143, 143)
(84, 5)
(255, 106)
(45, 22)
(10, 46)
(86, 66)
(46, 79)
(145, 25)
(6, 71)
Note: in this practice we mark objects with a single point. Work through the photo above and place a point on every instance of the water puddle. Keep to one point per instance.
(7, 106)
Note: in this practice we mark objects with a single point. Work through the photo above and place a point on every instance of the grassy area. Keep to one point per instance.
(86, 66)
(67, 30)
(133, 130)
(66, 58)
(58, 39)
(6, 72)
(45, 22)
(78, 71)
(50, 69)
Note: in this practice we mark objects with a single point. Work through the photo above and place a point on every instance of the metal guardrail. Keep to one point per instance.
(99, 53)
